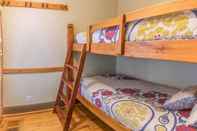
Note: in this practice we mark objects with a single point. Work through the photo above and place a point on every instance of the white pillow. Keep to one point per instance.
(192, 120)
(184, 99)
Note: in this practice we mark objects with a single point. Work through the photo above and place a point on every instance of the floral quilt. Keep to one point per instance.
(137, 108)
(181, 25)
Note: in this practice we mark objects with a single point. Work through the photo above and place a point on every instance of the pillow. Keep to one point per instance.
(184, 99)
(192, 120)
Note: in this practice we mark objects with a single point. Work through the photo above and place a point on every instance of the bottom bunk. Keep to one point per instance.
(134, 103)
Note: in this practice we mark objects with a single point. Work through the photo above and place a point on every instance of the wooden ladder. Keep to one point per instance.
(69, 86)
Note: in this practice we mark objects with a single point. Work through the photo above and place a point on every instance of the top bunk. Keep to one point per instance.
(165, 31)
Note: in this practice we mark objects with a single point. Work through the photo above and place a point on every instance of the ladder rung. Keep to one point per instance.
(71, 67)
(68, 84)
(64, 98)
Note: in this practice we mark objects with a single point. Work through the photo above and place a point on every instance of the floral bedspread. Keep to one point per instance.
(181, 25)
(137, 109)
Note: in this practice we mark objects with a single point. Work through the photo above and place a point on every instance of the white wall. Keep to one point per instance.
(125, 6)
(169, 73)
(30, 32)
(37, 38)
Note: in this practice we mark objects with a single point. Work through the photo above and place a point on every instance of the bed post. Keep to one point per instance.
(121, 41)
(70, 36)
(89, 38)
(1, 68)
(70, 44)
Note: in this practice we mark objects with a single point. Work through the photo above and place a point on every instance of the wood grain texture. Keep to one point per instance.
(89, 38)
(37, 5)
(104, 49)
(77, 47)
(109, 48)
(69, 81)
(121, 42)
(173, 50)
(76, 86)
(1, 64)
(32, 70)
(161, 9)
(45, 120)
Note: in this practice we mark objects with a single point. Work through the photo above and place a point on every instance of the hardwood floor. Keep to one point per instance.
(45, 120)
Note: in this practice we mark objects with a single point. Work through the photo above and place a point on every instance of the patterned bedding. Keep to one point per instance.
(135, 103)
(181, 25)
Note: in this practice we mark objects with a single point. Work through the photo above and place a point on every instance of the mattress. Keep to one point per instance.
(135, 103)
(181, 25)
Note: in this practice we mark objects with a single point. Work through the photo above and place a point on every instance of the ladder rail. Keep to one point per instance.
(68, 60)
(71, 84)
(75, 89)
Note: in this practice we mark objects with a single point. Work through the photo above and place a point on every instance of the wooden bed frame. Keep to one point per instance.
(1, 68)
(102, 48)
(174, 50)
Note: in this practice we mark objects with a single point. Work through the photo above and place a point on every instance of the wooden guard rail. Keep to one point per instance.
(173, 50)
(108, 49)
(38, 5)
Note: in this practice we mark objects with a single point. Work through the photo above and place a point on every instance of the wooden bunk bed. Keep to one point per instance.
(173, 50)
(102, 48)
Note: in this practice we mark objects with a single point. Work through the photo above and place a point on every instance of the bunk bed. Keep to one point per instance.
(119, 100)
(121, 35)
(97, 39)
(177, 20)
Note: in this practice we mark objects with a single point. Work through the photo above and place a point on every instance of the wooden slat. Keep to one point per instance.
(104, 49)
(106, 23)
(121, 42)
(1, 68)
(29, 4)
(173, 50)
(112, 48)
(68, 84)
(161, 9)
(77, 47)
(64, 99)
(71, 67)
(89, 39)
(32, 70)
(75, 89)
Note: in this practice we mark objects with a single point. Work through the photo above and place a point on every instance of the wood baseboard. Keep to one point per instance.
(27, 108)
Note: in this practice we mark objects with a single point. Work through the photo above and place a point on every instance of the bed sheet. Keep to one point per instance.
(135, 103)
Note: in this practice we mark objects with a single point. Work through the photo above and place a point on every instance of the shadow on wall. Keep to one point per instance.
(177, 74)
(98, 64)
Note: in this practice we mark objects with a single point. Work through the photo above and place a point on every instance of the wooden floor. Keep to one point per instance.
(47, 121)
